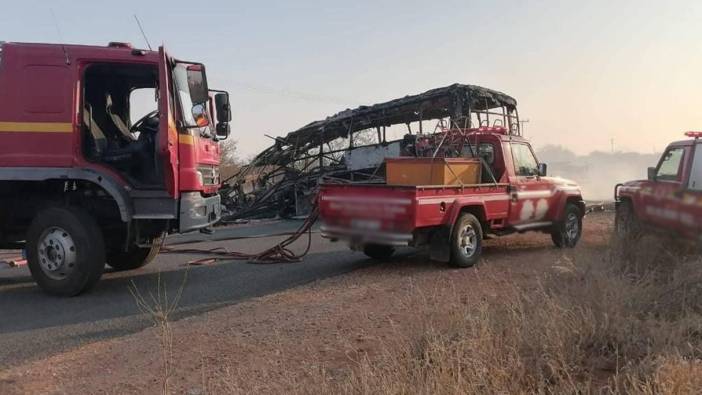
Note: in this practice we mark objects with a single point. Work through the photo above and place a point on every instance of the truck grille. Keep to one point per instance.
(210, 174)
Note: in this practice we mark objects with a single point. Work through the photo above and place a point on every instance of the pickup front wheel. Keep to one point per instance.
(626, 225)
(466, 241)
(566, 233)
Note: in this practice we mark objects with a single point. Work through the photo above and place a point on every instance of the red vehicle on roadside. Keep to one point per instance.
(513, 193)
(103, 150)
(670, 200)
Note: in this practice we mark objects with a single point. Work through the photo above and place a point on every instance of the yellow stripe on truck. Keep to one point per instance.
(36, 127)
(186, 139)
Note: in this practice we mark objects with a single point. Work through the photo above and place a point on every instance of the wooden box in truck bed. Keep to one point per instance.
(432, 171)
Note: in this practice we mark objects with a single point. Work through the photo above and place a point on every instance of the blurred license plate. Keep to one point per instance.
(365, 224)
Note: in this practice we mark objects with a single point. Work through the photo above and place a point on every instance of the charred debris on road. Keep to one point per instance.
(352, 145)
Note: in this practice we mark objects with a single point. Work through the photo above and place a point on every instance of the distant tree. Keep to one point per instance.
(230, 162)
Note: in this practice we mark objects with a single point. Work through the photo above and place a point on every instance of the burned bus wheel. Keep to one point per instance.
(466, 241)
(566, 233)
(379, 252)
(65, 251)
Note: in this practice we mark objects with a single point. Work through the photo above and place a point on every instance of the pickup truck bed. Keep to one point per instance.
(390, 214)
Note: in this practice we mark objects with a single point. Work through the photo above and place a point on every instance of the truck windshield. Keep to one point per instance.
(192, 94)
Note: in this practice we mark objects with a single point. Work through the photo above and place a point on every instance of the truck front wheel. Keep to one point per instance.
(65, 251)
(466, 241)
(566, 233)
(136, 257)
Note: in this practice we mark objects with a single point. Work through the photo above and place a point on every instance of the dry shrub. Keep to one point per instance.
(613, 325)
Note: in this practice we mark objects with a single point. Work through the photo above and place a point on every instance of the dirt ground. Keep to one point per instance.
(283, 341)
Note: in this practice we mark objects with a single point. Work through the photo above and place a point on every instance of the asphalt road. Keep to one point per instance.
(34, 325)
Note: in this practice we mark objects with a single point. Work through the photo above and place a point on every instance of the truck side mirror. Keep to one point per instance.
(223, 130)
(543, 169)
(224, 111)
(224, 115)
(652, 174)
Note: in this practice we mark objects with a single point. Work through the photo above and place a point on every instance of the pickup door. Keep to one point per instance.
(674, 200)
(661, 198)
(531, 195)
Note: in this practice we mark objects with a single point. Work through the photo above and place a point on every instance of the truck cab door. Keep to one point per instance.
(530, 194)
(168, 134)
(661, 197)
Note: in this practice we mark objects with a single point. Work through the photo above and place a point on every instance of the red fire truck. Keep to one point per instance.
(510, 194)
(102, 151)
(670, 200)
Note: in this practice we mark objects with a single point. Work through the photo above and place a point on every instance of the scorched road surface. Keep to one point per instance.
(34, 325)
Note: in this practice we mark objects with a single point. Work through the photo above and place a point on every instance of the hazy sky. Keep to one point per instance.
(583, 72)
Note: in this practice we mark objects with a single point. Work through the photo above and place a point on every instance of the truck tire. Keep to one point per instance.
(466, 241)
(65, 251)
(626, 224)
(566, 233)
(378, 251)
(136, 257)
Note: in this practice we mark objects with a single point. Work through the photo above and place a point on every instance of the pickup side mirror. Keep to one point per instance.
(543, 169)
(652, 174)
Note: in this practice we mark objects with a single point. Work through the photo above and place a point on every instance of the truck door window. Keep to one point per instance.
(525, 163)
(671, 165)
(696, 173)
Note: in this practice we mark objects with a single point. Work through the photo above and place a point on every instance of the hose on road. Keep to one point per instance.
(279, 253)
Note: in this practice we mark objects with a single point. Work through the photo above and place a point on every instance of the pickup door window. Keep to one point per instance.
(670, 168)
(525, 164)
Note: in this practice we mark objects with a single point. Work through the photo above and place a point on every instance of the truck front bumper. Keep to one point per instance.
(197, 211)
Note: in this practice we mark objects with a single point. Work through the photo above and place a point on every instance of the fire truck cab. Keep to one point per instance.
(103, 150)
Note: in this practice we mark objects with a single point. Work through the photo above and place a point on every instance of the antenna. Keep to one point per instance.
(58, 31)
(142, 32)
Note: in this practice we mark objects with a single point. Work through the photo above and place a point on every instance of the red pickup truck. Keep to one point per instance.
(670, 200)
(513, 195)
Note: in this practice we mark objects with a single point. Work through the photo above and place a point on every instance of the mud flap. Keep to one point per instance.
(439, 246)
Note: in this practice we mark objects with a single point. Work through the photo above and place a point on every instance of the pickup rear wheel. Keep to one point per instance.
(466, 241)
(136, 257)
(65, 251)
(566, 233)
(378, 251)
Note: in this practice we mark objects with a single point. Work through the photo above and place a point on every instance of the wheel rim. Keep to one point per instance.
(468, 239)
(57, 253)
(572, 227)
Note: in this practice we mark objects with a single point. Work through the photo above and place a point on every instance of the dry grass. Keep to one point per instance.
(615, 325)
(159, 307)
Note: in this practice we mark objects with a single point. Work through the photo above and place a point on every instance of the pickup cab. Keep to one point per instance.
(670, 200)
(513, 195)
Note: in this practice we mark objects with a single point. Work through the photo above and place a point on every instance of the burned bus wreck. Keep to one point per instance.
(352, 145)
